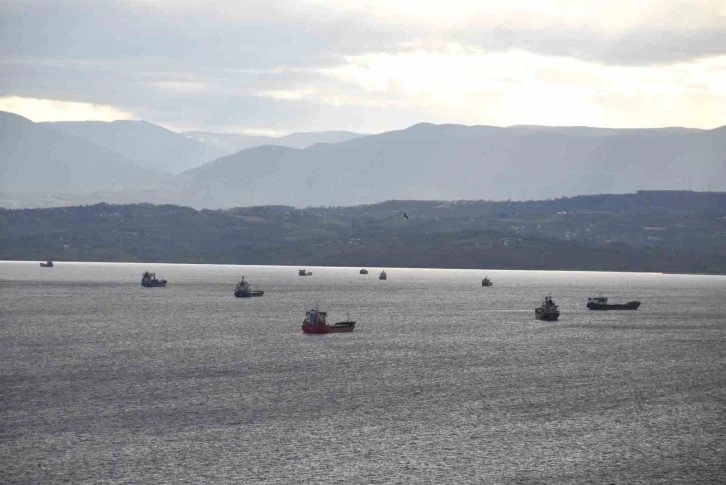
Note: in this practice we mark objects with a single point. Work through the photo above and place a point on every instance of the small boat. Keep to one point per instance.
(601, 303)
(244, 290)
(383, 275)
(148, 280)
(302, 272)
(547, 310)
(315, 323)
(486, 281)
(48, 264)
(364, 271)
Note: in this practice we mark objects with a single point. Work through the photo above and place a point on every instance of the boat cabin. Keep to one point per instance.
(315, 317)
(600, 300)
(548, 303)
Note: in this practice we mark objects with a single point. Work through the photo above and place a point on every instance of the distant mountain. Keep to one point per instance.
(228, 143)
(422, 162)
(144, 143)
(451, 162)
(233, 142)
(594, 131)
(36, 158)
(304, 140)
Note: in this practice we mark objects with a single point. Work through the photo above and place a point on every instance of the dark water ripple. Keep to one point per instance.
(102, 381)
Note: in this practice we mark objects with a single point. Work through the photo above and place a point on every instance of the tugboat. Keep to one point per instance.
(364, 271)
(315, 323)
(243, 290)
(148, 280)
(486, 281)
(383, 275)
(601, 303)
(302, 272)
(49, 264)
(547, 311)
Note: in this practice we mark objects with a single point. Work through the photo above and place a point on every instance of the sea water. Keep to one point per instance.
(443, 381)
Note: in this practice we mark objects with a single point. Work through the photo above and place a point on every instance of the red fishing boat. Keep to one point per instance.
(315, 323)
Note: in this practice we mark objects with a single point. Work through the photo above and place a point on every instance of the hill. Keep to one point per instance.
(450, 162)
(144, 143)
(647, 231)
(36, 158)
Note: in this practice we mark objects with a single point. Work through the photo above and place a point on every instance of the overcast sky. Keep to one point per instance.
(277, 66)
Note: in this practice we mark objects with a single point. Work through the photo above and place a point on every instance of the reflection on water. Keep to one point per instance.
(443, 381)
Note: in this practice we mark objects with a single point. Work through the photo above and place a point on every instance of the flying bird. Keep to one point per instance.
(405, 216)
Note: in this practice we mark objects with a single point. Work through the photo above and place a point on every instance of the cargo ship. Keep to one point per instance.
(244, 290)
(548, 310)
(148, 280)
(601, 303)
(315, 322)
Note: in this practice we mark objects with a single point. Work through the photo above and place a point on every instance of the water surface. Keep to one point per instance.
(443, 381)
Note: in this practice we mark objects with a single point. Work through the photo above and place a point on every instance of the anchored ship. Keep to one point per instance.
(315, 323)
(244, 290)
(148, 280)
(48, 264)
(601, 303)
(486, 281)
(383, 275)
(364, 271)
(302, 272)
(548, 310)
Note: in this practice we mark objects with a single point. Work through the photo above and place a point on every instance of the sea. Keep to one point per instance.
(443, 381)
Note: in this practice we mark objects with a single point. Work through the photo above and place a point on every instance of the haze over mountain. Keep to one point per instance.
(144, 143)
(234, 142)
(36, 158)
(423, 162)
(451, 162)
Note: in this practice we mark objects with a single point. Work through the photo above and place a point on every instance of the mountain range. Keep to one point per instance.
(453, 162)
(136, 161)
(143, 143)
(234, 142)
(36, 158)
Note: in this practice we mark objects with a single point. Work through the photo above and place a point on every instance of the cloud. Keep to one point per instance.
(369, 66)
(39, 110)
(505, 88)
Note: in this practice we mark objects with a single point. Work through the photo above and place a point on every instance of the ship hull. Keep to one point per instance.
(152, 284)
(240, 294)
(633, 305)
(46, 265)
(342, 327)
(547, 316)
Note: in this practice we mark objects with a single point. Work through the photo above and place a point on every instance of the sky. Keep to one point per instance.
(275, 67)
